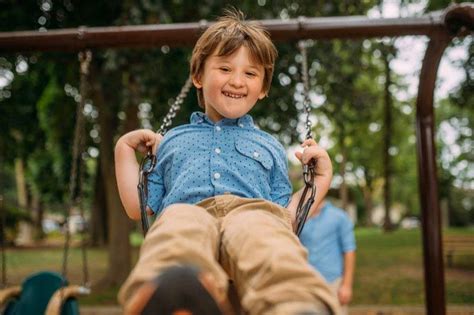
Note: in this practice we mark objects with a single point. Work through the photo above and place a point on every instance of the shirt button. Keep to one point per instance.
(241, 125)
(256, 154)
(217, 150)
(217, 175)
(218, 128)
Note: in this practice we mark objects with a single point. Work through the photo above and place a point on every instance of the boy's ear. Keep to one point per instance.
(262, 95)
(197, 82)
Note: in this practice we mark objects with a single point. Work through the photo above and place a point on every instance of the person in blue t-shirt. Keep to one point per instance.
(222, 193)
(329, 238)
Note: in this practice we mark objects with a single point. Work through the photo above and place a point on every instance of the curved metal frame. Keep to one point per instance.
(440, 27)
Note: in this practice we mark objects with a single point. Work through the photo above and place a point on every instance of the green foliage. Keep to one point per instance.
(455, 117)
(37, 110)
(441, 4)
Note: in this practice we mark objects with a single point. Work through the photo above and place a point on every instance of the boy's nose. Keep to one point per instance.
(236, 80)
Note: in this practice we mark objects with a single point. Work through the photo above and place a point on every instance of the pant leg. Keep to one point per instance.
(268, 263)
(183, 234)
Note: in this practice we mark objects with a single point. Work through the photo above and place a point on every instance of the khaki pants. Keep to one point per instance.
(248, 240)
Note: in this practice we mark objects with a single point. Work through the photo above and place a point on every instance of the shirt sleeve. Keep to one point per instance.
(156, 189)
(280, 183)
(347, 235)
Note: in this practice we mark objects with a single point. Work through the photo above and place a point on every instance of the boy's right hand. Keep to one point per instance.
(142, 139)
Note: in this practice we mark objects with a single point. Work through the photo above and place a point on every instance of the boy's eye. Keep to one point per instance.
(251, 74)
(224, 69)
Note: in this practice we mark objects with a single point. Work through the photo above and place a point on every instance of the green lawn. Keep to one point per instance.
(389, 269)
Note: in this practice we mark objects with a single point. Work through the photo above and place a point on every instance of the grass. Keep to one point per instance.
(389, 269)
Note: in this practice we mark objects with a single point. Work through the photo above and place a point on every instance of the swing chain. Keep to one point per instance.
(77, 168)
(308, 169)
(305, 80)
(175, 107)
(85, 59)
(149, 161)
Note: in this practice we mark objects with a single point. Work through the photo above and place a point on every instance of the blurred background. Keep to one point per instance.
(363, 95)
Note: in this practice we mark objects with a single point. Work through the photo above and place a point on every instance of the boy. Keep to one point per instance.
(329, 237)
(222, 186)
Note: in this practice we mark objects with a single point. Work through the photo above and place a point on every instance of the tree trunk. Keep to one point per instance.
(343, 189)
(21, 190)
(99, 218)
(25, 229)
(387, 162)
(368, 204)
(131, 108)
(119, 260)
(37, 210)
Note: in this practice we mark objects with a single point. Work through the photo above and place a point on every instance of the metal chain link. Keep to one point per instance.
(305, 80)
(175, 107)
(75, 183)
(149, 161)
(309, 169)
(85, 60)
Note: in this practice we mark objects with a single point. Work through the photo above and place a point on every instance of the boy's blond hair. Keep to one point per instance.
(228, 34)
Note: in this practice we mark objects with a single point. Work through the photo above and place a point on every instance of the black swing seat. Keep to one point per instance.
(44, 292)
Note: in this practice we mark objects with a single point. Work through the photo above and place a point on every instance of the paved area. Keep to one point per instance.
(354, 310)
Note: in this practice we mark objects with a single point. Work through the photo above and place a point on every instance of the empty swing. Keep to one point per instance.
(48, 292)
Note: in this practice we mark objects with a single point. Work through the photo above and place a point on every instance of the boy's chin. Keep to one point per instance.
(234, 116)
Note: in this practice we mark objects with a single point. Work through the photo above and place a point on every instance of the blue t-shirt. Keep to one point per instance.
(327, 236)
(205, 159)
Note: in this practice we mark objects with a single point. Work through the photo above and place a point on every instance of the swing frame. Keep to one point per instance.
(440, 27)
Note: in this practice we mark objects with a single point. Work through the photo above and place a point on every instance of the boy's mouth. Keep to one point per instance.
(233, 95)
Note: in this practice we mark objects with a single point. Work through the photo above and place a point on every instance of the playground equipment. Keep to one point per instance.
(440, 27)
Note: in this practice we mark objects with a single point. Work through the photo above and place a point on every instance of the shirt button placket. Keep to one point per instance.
(216, 172)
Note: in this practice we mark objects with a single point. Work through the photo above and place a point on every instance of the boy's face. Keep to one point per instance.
(231, 85)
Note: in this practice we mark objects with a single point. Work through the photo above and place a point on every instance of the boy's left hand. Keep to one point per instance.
(344, 294)
(322, 180)
(314, 151)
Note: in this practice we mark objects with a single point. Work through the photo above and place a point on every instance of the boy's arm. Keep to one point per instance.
(322, 179)
(344, 292)
(127, 167)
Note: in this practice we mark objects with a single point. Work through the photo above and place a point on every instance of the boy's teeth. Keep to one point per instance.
(233, 95)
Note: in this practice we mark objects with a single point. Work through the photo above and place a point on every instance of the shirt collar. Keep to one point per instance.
(327, 205)
(201, 118)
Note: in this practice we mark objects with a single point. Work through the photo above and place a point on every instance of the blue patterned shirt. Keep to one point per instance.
(205, 159)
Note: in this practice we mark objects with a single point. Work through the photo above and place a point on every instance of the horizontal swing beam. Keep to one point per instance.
(185, 34)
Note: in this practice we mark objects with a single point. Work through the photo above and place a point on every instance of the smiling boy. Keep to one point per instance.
(222, 190)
